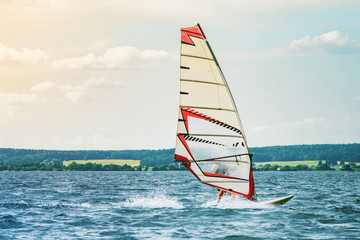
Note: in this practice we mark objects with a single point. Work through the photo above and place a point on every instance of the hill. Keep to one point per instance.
(327, 152)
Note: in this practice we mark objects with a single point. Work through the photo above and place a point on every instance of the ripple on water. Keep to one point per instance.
(9, 221)
(175, 205)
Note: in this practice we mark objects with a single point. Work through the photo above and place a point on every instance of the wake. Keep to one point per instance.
(235, 202)
(161, 200)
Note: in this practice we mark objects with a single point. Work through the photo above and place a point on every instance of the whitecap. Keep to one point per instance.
(57, 204)
(153, 201)
(236, 202)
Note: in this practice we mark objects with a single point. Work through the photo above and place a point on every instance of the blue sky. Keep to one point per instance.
(105, 74)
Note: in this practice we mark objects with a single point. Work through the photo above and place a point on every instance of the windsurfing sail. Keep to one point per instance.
(210, 138)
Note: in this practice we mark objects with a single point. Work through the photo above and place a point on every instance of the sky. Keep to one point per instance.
(104, 75)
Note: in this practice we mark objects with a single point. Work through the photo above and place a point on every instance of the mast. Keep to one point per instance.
(210, 138)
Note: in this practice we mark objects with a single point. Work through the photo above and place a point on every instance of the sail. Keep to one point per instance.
(210, 138)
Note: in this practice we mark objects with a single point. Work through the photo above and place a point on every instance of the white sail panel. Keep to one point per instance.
(225, 99)
(182, 128)
(238, 169)
(198, 125)
(205, 95)
(200, 49)
(219, 149)
(197, 69)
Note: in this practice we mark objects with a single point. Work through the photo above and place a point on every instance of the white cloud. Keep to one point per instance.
(102, 82)
(119, 57)
(76, 92)
(25, 55)
(43, 86)
(73, 93)
(330, 42)
(10, 101)
(76, 62)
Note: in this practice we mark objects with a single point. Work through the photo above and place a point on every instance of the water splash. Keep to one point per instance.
(56, 204)
(158, 200)
(236, 202)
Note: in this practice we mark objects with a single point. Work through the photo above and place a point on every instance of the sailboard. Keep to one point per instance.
(210, 139)
(279, 201)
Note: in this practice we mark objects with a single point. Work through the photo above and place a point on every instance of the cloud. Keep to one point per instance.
(26, 55)
(330, 42)
(97, 82)
(10, 101)
(356, 98)
(119, 57)
(75, 62)
(76, 92)
(43, 86)
(307, 122)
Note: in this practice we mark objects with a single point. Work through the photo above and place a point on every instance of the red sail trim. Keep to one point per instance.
(202, 32)
(187, 32)
(218, 175)
(179, 158)
(251, 183)
(182, 139)
(193, 113)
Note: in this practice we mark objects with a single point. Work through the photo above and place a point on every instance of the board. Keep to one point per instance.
(279, 201)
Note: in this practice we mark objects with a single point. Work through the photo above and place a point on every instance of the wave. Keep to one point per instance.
(9, 221)
(45, 205)
(155, 200)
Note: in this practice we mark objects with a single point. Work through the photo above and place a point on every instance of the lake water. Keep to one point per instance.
(175, 205)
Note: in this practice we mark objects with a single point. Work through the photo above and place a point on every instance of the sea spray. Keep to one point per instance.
(234, 202)
(153, 200)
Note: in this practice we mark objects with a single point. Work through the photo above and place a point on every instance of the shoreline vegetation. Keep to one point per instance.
(324, 157)
(73, 166)
(89, 166)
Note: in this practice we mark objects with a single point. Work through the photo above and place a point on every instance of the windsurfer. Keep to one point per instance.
(221, 193)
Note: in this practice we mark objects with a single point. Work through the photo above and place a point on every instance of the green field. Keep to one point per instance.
(289, 163)
(120, 162)
(294, 163)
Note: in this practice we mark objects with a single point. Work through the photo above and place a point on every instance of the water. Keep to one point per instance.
(175, 205)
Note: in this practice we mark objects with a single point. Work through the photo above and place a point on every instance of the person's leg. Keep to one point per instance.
(221, 193)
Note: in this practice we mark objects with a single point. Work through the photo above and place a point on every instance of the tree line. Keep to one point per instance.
(302, 167)
(148, 158)
(58, 166)
(327, 152)
(151, 158)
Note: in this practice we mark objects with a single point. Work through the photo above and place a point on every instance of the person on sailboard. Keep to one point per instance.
(221, 193)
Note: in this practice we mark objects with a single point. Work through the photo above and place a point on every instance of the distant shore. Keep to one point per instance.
(89, 166)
